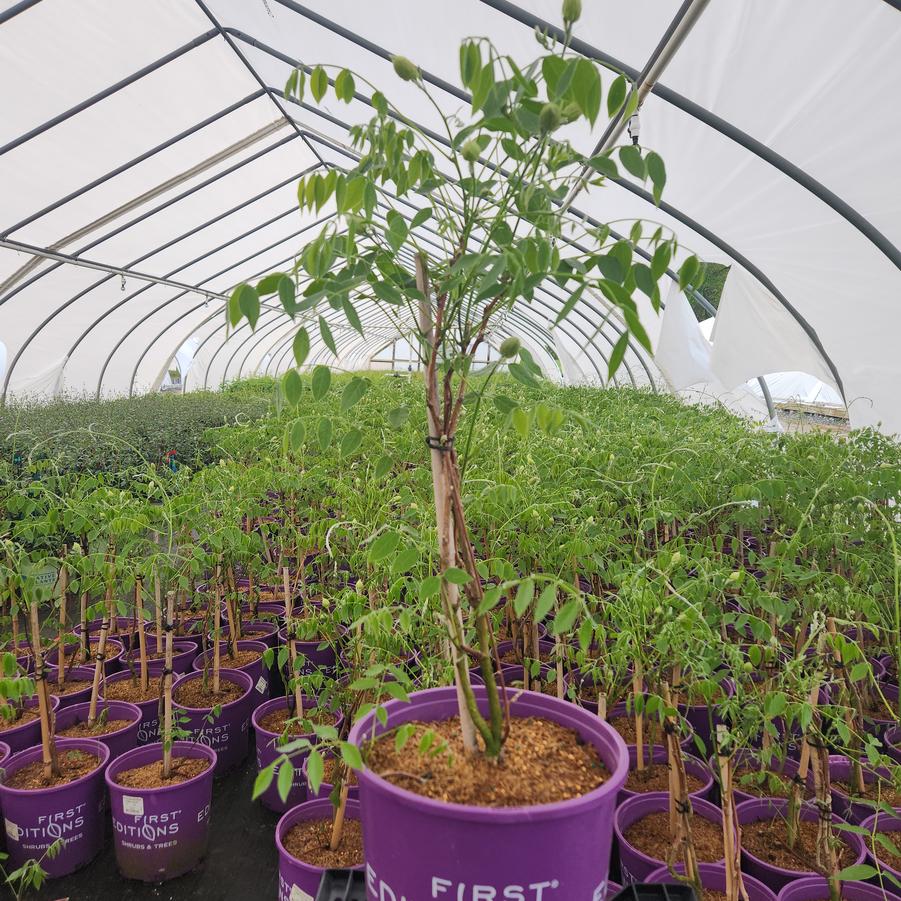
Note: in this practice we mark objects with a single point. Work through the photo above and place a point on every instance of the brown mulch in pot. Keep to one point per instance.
(151, 774)
(766, 840)
(655, 778)
(883, 853)
(309, 841)
(651, 836)
(542, 762)
(244, 657)
(514, 655)
(329, 765)
(26, 716)
(880, 791)
(761, 785)
(193, 694)
(68, 687)
(126, 690)
(83, 730)
(277, 720)
(72, 765)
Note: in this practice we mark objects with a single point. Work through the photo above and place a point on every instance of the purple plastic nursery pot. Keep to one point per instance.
(884, 721)
(635, 865)
(565, 845)
(892, 741)
(228, 733)
(149, 727)
(256, 669)
(265, 608)
(113, 651)
(5, 751)
(183, 654)
(124, 629)
(35, 819)
(267, 751)
(75, 674)
(853, 811)
(314, 657)
(325, 788)
(693, 767)
(703, 718)
(816, 888)
(882, 822)
(713, 879)
(745, 758)
(296, 879)
(255, 630)
(160, 833)
(504, 647)
(23, 736)
(771, 808)
(118, 742)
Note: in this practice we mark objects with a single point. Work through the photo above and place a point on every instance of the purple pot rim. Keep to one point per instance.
(260, 624)
(699, 806)
(662, 874)
(29, 755)
(72, 644)
(30, 702)
(81, 670)
(124, 674)
(236, 676)
(277, 704)
(660, 750)
(538, 812)
(186, 646)
(816, 882)
(290, 818)
(84, 707)
(243, 645)
(116, 766)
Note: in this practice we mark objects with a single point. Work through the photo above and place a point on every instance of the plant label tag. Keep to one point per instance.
(133, 806)
(261, 687)
(298, 894)
(12, 830)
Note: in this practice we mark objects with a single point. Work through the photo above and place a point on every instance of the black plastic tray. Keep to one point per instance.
(342, 885)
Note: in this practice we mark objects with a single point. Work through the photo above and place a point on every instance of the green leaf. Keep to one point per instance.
(285, 779)
(520, 420)
(688, 271)
(314, 770)
(397, 230)
(567, 308)
(420, 217)
(383, 546)
(630, 157)
(456, 576)
(546, 601)
(504, 404)
(351, 442)
(324, 433)
(263, 780)
(470, 62)
(249, 303)
(301, 346)
(344, 86)
(383, 466)
(322, 379)
(405, 560)
(269, 283)
(524, 596)
(860, 671)
(298, 433)
(292, 387)
(657, 172)
(326, 333)
(604, 165)
(350, 754)
(286, 294)
(398, 417)
(586, 88)
(351, 314)
(616, 356)
(318, 83)
(857, 873)
(616, 96)
(523, 374)
(353, 392)
(566, 616)
(387, 292)
(234, 310)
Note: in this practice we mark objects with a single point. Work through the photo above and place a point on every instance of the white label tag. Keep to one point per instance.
(261, 687)
(12, 830)
(133, 806)
(298, 894)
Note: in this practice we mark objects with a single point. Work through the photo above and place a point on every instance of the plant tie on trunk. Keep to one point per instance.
(443, 444)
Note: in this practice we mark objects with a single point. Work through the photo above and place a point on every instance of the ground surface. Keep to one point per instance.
(241, 863)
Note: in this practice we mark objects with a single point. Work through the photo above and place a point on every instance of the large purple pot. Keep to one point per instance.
(75, 674)
(255, 630)
(34, 820)
(149, 728)
(113, 651)
(272, 609)
(323, 658)
(267, 751)
(183, 654)
(816, 888)
(26, 734)
(635, 865)
(160, 833)
(693, 767)
(713, 879)
(851, 810)
(565, 845)
(325, 788)
(256, 669)
(227, 734)
(118, 742)
(882, 822)
(298, 880)
(769, 808)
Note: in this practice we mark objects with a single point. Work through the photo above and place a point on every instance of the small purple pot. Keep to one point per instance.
(126, 633)
(693, 767)
(256, 669)
(635, 865)
(228, 734)
(881, 822)
(296, 879)
(788, 767)
(767, 809)
(267, 751)
(112, 663)
(816, 888)
(35, 819)
(704, 718)
(160, 833)
(879, 724)
(118, 742)
(314, 657)
(713, 878)
(149, 727)
(853, 811)
(183, 654)
(76, 674)
(504, 647)
(255, 630)
(325, 788)
(565, 844)
(272, 609)
(23, 736)
(892, 741)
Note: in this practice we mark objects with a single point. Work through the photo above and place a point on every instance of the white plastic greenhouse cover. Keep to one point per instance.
(152, 137)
